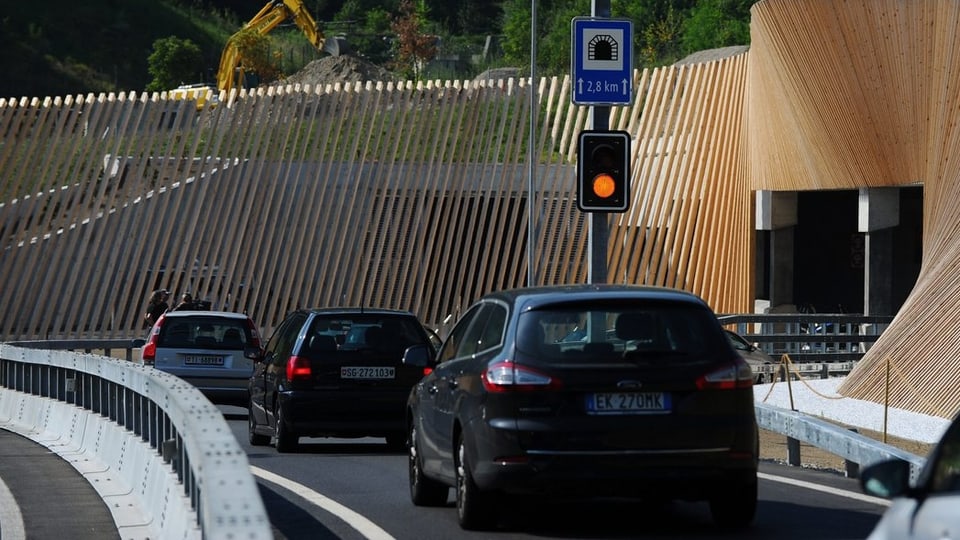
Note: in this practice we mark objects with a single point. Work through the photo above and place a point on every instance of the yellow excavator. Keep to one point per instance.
(231, 74)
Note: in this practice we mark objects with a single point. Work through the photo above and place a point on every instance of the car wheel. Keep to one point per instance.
(423, 490)
(736, 506)
(474, 507)
(286, 440)
(252, 435)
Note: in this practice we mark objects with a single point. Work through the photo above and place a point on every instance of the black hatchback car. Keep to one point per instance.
(650, 401)
(336, 372)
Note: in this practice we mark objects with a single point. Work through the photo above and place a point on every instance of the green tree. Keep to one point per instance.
(717, 23)
(414, 47)
(366, 26)
(174, 61)
(661, 41)
(258, 56)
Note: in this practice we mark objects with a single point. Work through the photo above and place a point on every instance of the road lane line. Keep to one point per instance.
(825, 489)
(11, 520)
(359, 523)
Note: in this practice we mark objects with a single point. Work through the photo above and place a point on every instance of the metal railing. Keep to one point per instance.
(816, 337)
(165, 424)
(856, 449)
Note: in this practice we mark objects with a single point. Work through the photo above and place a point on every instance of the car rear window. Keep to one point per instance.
(204, 333)
(679, 333)
(381, 333)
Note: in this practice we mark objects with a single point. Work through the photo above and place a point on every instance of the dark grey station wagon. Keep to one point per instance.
(585, 391)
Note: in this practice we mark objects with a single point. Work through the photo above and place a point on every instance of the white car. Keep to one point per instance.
(927, 509)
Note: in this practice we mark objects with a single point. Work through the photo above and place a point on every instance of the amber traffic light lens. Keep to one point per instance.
(603, 185)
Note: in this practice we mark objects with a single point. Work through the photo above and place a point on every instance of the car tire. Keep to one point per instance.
(474, 507)
(423, 491)
(252, 435)
(286, 440)
(736, 505)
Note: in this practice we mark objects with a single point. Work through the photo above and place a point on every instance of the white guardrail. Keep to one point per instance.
(156, 450)
(175, 463)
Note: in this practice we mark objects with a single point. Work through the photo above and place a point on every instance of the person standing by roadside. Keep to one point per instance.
(186, 302)
(156, 306)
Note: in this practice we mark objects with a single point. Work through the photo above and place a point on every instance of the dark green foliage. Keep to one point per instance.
(174, 61)
(67, 47)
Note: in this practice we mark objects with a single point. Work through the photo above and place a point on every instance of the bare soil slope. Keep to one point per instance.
(340, 69)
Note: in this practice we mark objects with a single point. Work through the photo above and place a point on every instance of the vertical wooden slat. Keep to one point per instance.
(250, 197)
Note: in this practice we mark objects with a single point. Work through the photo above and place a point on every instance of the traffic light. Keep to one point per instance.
(603, 171)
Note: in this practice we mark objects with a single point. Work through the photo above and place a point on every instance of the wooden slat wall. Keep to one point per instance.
(863, 94)
(409, 195)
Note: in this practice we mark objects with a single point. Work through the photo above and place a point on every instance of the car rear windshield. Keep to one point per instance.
(681, 333)
(364, 332)
(203, 332)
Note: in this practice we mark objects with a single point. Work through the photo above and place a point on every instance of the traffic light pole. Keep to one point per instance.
(599, 234)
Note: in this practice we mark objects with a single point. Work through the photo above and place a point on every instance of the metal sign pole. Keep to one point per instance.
(599, 234)
(531, 151)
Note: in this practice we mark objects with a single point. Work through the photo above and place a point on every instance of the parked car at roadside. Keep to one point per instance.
(927, 508)
(336, 372)
(651, 402)
(212, 350)
(752, 354)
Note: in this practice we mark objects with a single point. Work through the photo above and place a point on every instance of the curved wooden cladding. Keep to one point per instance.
(864, 94)
(409, 196)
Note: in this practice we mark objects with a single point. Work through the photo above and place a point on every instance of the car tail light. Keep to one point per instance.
(508, 376)
(298, 368)
(149, 352)
(735, 375)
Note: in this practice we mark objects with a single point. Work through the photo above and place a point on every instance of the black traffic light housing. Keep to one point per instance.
(603, 171)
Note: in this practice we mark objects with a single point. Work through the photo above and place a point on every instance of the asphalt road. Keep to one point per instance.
(357, 489)
(54, 501)
(320, 487)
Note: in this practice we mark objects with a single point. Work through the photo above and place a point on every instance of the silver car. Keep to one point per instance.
(926, 509)
(212, 350)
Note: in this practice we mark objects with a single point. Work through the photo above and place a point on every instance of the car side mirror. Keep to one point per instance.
(887, 479)
(417, 356)
(137, 343)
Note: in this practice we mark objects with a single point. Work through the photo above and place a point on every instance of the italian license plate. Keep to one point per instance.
(363, 372)
(628, 403)
(202, 360)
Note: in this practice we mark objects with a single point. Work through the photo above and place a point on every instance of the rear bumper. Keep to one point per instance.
(516, 460)
(694, 475)
(222, 391)
(336, 414)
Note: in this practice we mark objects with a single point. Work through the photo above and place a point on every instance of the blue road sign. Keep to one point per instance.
(602, 62)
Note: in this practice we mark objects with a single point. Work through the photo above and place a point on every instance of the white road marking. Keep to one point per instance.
(359, 523)
(825, 489)
(11, 520)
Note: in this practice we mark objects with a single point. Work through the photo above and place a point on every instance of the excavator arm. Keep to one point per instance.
(230, 73)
